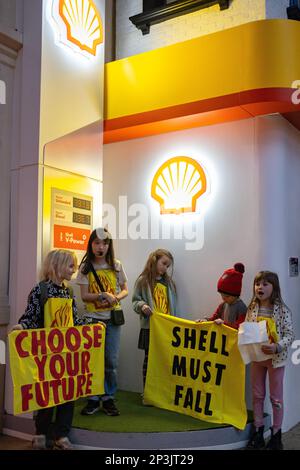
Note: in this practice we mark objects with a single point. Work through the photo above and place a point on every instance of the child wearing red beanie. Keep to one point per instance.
(232, 310)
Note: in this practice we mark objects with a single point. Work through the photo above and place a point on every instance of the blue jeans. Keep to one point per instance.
(111, 359)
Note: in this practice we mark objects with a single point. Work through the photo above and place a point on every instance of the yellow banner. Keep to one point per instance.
(58, 313)
(196, 369)
(108, 280)
(53, 366)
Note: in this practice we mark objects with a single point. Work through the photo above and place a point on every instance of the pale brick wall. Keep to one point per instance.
(130, 40)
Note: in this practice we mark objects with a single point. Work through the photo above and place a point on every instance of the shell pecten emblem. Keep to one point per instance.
(83, 24)
(178, 184)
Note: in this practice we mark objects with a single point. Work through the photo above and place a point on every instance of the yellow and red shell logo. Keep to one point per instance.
(178, 184)
(79, 23)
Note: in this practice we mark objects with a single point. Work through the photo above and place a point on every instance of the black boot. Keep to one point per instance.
(275, 443)
(256, 440)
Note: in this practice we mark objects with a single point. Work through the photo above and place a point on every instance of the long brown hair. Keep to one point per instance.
(89, 257)
(148, 275)
(273, 279)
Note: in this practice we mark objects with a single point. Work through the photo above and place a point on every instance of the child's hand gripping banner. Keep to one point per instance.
(56, 365)
(196, 369)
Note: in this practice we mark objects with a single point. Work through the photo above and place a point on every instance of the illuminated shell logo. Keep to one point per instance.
(83, 23)
(178, 184)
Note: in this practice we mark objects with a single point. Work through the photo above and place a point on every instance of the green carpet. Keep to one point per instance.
(135, 417)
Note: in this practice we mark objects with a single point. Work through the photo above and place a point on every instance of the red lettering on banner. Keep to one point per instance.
(63, 356)
(26, 396)
(38, 340)
(85, 359)
(40, 362)
(72, 363)
(55, 341)
(68, 394)
(88, 389)
(80, 384)
(57, 360)
(18, 344)
(57, 335)
(54, 384)
(85, 333)
(76, 335)
(42, 393)
(97, 336)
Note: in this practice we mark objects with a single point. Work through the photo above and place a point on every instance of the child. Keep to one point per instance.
(59, 265)
(232, 310)
(154, 290)
(268, 305)
(99, 266)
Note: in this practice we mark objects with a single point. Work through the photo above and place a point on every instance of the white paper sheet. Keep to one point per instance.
(251, 337)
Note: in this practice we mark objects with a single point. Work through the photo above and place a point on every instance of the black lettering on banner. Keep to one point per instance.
(220, 368)
(178, 394)
(223, 351)
(207, 411)
(189, 338)
(193, 401)
(212, 347)
(206, 378)
(202, 340)
(188, 401)
(179, 366)
(176, 343)
(197, 404)
(194, 368)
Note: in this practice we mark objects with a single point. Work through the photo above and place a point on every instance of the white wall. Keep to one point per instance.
(131, 41)
(228, 154)
(7, 70)
(278, 150)
(247, 161)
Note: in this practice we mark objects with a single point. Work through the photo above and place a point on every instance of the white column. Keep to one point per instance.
(58, 94)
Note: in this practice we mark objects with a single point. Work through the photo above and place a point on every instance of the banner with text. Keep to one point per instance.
(53, 366)
(196, 369)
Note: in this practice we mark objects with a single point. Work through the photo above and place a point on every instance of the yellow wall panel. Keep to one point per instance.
(261, 54)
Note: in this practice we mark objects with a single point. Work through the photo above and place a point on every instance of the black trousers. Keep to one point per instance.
(62, 423)
(145, 366)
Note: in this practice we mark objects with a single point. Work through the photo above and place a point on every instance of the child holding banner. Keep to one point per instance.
(58, 266)
(232, 311)
(103, 284)
(154, 290)
(268, 305)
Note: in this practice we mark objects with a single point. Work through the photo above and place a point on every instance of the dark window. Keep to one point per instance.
(156, 11)
(151, 4)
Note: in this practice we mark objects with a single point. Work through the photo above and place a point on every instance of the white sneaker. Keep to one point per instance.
(39, 442)
(63, 443)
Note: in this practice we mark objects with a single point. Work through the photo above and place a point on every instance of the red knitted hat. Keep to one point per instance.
(231, 280)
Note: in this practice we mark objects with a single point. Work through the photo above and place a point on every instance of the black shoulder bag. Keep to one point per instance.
(117, 316)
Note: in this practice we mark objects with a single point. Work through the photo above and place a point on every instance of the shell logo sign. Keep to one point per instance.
(178, 184)
(79, 24)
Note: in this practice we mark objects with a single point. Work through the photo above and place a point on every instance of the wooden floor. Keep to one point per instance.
(13, 443)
